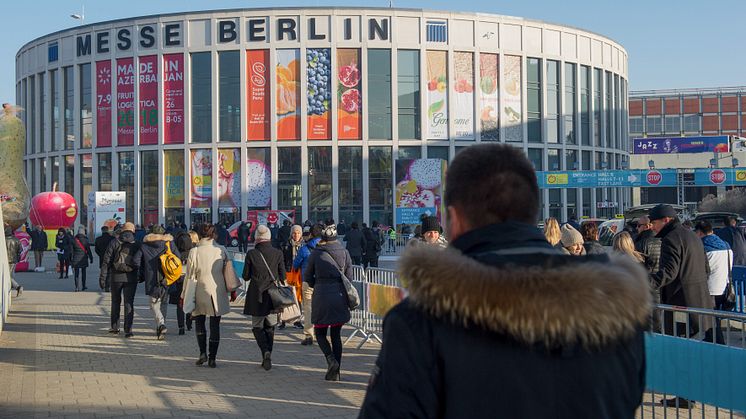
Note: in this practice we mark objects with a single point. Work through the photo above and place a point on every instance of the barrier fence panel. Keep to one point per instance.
(739, 283)
(5, 298)
(359, 317)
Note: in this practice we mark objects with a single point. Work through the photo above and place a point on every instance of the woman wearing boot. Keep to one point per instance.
(206, 284)
(184, 242)
(64, 251)
(330, 310)
(264, 265)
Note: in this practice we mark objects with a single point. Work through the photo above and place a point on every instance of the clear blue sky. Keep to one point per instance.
(671, 43)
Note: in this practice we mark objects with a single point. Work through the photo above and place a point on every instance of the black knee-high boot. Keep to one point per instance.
(269, 332)
(202, 343)
(261, 339)
(214, 344)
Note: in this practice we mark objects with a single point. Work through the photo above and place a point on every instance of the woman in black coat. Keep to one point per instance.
(330, 310)
(63, 243)
(81, 255)
(264, 265)
(184, 241)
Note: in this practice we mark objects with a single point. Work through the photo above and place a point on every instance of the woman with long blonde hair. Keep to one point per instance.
(552, 231)
(623, 244)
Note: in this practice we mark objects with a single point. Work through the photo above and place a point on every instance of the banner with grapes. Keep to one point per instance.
(437, 95)
(148, 85)
(125, 101)
(463, 109)
(257, 64)
(288, 94)
(318, 93)
(103, 103)
(488, 105)
(349, 97)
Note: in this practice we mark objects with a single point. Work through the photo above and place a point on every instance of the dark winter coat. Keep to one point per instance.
(100, 245)
(81, 256)
(593, 247)
(372, 241)
(682, 277)
(257, 301)
(65, 244)
(13, 247)
(140, 234)
(223, 235)
(154, 245)
(283, 235)
(650, 246)
(356, 243)
(38, 240)
(243, 232)
(523, 334)
(290, 250)
(126, 238)
(737, 241)
(184, 243)
(329, 306)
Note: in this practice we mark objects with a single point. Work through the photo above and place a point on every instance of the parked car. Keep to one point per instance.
(716, 218)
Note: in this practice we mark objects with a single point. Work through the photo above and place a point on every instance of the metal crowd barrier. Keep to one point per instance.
(367, 320)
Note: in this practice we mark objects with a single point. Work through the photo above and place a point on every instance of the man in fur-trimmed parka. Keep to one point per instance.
(500, 324)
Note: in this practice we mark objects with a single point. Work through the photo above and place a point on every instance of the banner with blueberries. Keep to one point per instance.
(318, 93)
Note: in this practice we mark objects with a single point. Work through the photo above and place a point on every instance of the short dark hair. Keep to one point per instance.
(104, 229)
(353, 225)
(703, 226)
(206, 231)
(589, 231)
(493, 183)
(316, 230)
(731, 220)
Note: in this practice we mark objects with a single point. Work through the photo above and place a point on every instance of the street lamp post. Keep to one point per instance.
(80, 17)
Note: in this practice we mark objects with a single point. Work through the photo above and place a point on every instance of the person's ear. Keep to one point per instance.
(457, 225)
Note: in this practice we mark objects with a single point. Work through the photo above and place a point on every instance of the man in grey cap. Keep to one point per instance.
(682, 274)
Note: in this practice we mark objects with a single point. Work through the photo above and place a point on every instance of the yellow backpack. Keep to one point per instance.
(170, 266)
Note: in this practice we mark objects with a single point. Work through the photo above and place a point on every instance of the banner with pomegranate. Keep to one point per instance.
(229, 178)
(201, 170)
(349, 96)
(257, 64)
(512, 98)
(125, 101)
(463, 109)
(103, 103)
(148, 85)
(419, 189)
(488, 100)
(437, 95)
(173, 98)
(319, 92)
(259, 177)
(173, 173)
(288, 94)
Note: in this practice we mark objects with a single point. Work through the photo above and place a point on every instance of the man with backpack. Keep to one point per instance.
(120, 265)
(155, 270)
(373, 245)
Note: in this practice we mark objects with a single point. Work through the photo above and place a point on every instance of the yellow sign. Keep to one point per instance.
(740, 175)
(557, 179)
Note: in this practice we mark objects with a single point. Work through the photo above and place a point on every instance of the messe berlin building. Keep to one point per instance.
(209, 115)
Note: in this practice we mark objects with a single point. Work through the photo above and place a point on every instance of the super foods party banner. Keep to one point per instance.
(319, 92)
(229, 178)
(512, 98)
(257, 64)
(173, 98)
(488, 104)
(463, 109)
(103, 103)
(288, 94)
(148, 78)
(349, 98)
(125, 101)
(437, 95)
(201, 169)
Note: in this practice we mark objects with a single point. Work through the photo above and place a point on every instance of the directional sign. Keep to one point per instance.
(639, 178)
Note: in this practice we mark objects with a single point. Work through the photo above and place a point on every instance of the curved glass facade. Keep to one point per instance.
(205, 116)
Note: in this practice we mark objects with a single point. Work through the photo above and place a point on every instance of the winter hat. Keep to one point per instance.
(297, 227)
(262, 234)
(81, 230)
(661, 211)
(430, 224)
(329, 233)
(307, 230)
(570, 236)
(156, 229)
(128, 226)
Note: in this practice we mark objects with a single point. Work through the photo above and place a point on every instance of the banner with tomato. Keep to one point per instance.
(437, 95)
(488, 100)
(257, 66)
(319, 92)
(201, 167)
(512, 98)
(349, 96)
(463, 109)
(288, 94)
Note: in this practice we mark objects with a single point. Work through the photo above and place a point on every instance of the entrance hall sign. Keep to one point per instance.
(173, 98)
(103, 103)
(639, 178)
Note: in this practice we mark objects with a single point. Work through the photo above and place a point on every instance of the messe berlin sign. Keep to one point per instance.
(639, 178)
(673, 145)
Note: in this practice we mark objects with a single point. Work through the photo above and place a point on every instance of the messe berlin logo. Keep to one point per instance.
(654, 177)
(717, 176)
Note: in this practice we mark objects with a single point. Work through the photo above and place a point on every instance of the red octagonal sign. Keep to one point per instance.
(654, 177)
(717, 176)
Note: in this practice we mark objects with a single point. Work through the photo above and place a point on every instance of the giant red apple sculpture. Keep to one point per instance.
(53, 210)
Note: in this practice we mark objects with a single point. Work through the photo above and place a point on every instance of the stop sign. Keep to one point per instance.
(717, 176)
(272, 217)
(654, 177)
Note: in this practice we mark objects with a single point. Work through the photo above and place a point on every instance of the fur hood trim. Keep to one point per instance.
(587, 303)
(150, 238)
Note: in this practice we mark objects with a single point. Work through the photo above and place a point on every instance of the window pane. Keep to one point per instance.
(437, 152)
(31, 106)
(55, 168)
(54, 109)
(535, 156)
(320, 183)
(610, 137)
(380, 173)
(553, 105)
(533, 99)
(42, 113)
(70, 175)
(379, 94)
(410, 152)
(149, 188)
(408, 85)
(289, 192)
(104, 172)
(174, 196)
(570, 108)
(43, 175)
(86, 106)
(127, 181)
(351, 184)
(201, 97)
(69, 133)
(229, 91)
(585, 105)
(673, 125)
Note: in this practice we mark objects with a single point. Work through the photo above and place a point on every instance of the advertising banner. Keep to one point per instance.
(463, 109)
(125, 101)
(419, 188)
(437, 95)
(720, 177)
(201, 162)
(103, 103)
(229, 178)
(259, 176)
(173, 173)
(25, 239)
(288, 94)
(148, 80)
(173, 98)
(382, 298)
(673, 145)
(319, 92)
(640, 178)
(512, 98)
(109, 210)
(349, 96)
(257, 64)
(488, 101)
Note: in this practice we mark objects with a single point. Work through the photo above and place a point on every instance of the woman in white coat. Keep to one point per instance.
(205, 293)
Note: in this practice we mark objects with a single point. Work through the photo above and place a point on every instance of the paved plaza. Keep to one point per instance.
(57, 360)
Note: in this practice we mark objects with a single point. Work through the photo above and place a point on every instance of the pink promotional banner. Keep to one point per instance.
(125, 101)
(103, 103)
(173, 98)
(148, 84)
